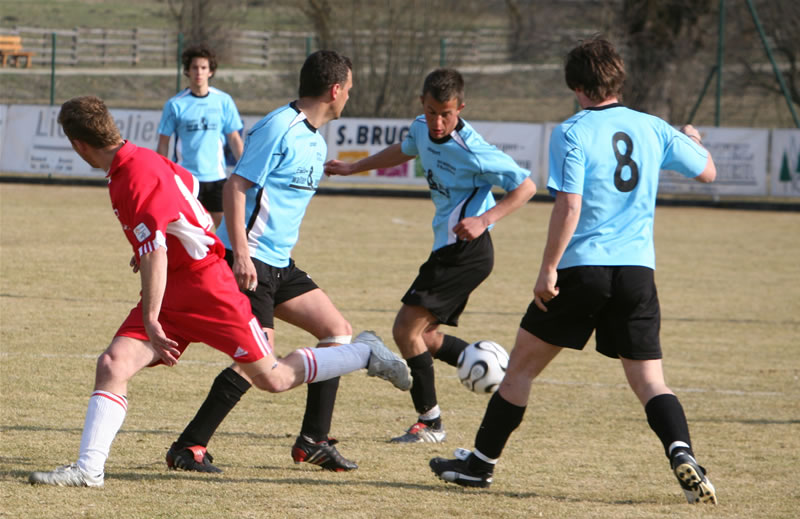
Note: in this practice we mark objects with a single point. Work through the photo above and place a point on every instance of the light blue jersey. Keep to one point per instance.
(201, 124)
(461, 169)
(612, 156)
(283, 156)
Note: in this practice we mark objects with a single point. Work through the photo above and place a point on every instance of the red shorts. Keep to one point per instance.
(205, 305)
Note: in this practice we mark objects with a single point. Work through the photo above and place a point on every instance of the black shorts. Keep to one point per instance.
(275, 286)
(210, 195)
(451, 273)
(620, 303)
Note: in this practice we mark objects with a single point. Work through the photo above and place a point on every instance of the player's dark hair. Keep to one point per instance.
(444, 84)
(198, 51)
(596, 68)
(87, 119)
(321, 71)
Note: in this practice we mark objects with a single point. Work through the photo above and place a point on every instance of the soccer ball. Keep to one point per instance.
(482, 366)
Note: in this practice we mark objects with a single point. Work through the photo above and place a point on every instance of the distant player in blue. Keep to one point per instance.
(202, 118)
(461, 169)
(597, 270)
(265, 201)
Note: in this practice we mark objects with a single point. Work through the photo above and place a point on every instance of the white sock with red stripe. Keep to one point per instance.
(104, 418)
(326, 363)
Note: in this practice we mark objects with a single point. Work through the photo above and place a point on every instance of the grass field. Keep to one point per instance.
(730, 299)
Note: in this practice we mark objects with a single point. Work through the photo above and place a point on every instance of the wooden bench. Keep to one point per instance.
(11, 47)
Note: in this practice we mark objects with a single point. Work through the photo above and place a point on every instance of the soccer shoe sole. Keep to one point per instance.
(697, 488)
(385, 364)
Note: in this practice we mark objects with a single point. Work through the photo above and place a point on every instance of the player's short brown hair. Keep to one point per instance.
(595, 67)
(444, 84)
(88, 120)
(198, 51)
(321, 70)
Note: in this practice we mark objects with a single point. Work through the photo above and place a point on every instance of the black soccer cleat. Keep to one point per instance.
(321, 453)
(457, 471)
(692, 477)
(194, 458)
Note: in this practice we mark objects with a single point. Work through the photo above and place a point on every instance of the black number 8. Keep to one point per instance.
(624, 160)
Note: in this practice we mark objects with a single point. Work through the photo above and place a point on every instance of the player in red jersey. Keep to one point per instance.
(188, 293)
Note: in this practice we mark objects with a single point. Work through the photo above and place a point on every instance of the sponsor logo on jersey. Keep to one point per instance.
(240, 352)
(141, 232)
(304, 179)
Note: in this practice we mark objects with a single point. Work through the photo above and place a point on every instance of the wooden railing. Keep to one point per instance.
(141, 47)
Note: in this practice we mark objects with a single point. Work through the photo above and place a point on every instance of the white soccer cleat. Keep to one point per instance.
(383, 363)
(66, 476)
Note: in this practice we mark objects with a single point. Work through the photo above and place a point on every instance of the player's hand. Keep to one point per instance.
(691, 132)
(337, 167)
(245, 273)
(545, 288)
(470, 228)
(134, 264)
(166, 348)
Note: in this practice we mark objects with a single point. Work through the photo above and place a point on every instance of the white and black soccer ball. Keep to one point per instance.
(482, 366)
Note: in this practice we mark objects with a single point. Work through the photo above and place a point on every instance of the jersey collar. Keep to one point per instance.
(300, 114)
(604, 107)
(447, 137)
(123, 154)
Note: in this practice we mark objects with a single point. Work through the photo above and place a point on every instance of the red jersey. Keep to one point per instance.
(155, 202)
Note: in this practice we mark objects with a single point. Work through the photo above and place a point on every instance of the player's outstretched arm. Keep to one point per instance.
(710, 171)
(472, 227)
(153, 270)
(386, 158)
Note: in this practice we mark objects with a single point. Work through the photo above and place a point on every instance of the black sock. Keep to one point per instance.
(225, 393)
(666, 418)
(499, 421)
(423, 389)
(320, 400)
(451, 348)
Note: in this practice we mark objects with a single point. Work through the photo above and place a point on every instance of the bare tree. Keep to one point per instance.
(664, 40)
(393, 45)
(208, 21)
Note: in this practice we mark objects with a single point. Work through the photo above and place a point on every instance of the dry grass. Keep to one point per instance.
(730, 298)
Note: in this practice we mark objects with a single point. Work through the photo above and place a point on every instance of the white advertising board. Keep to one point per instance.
(34, 142)
(740, 155)
(351, 139)
(785, 163)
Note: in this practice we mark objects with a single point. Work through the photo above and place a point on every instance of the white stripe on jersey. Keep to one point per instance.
(452, 221)
(158, 241)
(193, 238)
(260, 225)
(457, 137)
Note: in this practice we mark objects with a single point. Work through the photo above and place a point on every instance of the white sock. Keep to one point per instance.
(326, 363)
(432, 414)
(104, 418)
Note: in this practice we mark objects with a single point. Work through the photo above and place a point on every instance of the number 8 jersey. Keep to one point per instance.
(155, 202)
(612, 156)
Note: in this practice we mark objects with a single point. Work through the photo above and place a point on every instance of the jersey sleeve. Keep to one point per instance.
(683, 155)
(232, 122)
(149, 209)
(498, 168)
(262, 153)
(168, 122)
(566, 165)
(409, 145)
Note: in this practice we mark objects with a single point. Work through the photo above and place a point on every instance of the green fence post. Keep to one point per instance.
(52, 70)
(442, 52)
(178, 59)
(720, 54)
(308, 46)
